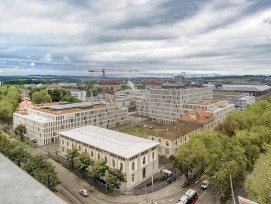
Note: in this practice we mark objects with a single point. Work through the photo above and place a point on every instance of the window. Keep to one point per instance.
(133, 177)
(144, 160)
(121, 166)
(63, 142)
(67, 143)
(79, 148)
(99, 156)
(167, 144)
(152, 138)
(62, 149)
(133, 166)
(113, 163)
(144, 173)
(86, 151)
(91, 153)
(152, 155)
(159, 140)
(105, 159)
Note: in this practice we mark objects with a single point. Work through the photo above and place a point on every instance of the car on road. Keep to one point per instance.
(205, 184)
(84, 192)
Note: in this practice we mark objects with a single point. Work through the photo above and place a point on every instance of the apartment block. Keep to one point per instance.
(79, 94)
(136, 157)
(44, 121)
(166, 106)
(241, 100)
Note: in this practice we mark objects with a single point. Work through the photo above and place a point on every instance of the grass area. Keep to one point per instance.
(136, 131)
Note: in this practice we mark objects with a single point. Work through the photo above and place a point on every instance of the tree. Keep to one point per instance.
(19, 154)
(72, 155)
(20, 130)
(114, 178)
(226, 128)
(6, 112)
(41, 97)
(43, 171)
(98, 169)
(258, 184)
(83, 161)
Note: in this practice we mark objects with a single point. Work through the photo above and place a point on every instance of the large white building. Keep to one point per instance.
(241, 100)
(166, 106)
(43, 121)
(136, 157)
(79, 94)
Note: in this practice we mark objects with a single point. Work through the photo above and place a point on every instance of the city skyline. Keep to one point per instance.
(199, 37)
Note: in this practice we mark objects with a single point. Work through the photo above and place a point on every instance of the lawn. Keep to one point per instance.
(136, 131)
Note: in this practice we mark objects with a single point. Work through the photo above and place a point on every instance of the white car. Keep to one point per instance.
(205, 184)
(84, 192)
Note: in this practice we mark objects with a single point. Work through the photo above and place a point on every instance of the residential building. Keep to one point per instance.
(136, 157)
(44, 121)
(79, 94)
(199, 117)
(17, 186)
(1, 83)
(166, 106)
(241, 100)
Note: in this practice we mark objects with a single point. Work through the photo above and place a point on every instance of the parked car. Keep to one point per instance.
(205, 184)
(84, 192)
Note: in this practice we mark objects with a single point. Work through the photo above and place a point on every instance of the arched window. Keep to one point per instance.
(105, 159)
(86, 151)
(152, 138)
(99, 156)
(79, 148)
(167, 143)
(159, 140)
(133, 177)
(152, 155)
(144, 160)
(133, 166)
(113, 163)
(91, 153)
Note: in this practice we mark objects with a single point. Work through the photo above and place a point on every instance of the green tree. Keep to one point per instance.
(258, 184)
(83, 161)
(6, 112)
(98, 169)
(41, 97)
(19, 154)
(114, 178)
(20, 131)
(43, 171)
(72, 155)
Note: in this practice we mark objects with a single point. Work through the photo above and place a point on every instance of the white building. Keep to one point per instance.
(43, 122)
(79, 94)
(136, 157)
(241, 100)
(1, 83)
(166, 106)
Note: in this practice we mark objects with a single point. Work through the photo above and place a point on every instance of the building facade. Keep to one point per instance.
(166, 106)
(136, 157)
(241, 100)
(79, 94)
(42, 123)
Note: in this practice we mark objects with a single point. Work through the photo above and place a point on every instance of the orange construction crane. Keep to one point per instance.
(110, 70)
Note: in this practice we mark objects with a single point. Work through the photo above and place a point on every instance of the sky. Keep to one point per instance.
(68, 37)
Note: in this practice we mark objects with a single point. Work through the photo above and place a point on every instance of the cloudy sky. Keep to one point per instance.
(165, 36)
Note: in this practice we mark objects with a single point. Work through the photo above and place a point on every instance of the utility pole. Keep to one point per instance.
(232, 191)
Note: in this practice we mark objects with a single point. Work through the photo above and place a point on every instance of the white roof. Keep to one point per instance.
(37, 118)
(118, 143)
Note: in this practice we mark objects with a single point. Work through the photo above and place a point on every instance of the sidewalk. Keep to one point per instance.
(172, 189)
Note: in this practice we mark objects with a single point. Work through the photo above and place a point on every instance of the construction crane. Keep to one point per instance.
(104, 77)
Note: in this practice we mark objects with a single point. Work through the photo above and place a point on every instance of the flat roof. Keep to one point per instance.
(244, 88)
(172, 131)
(72, 110)
(114, 142)
(17, 186)
(206, 102)
(228, 93)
